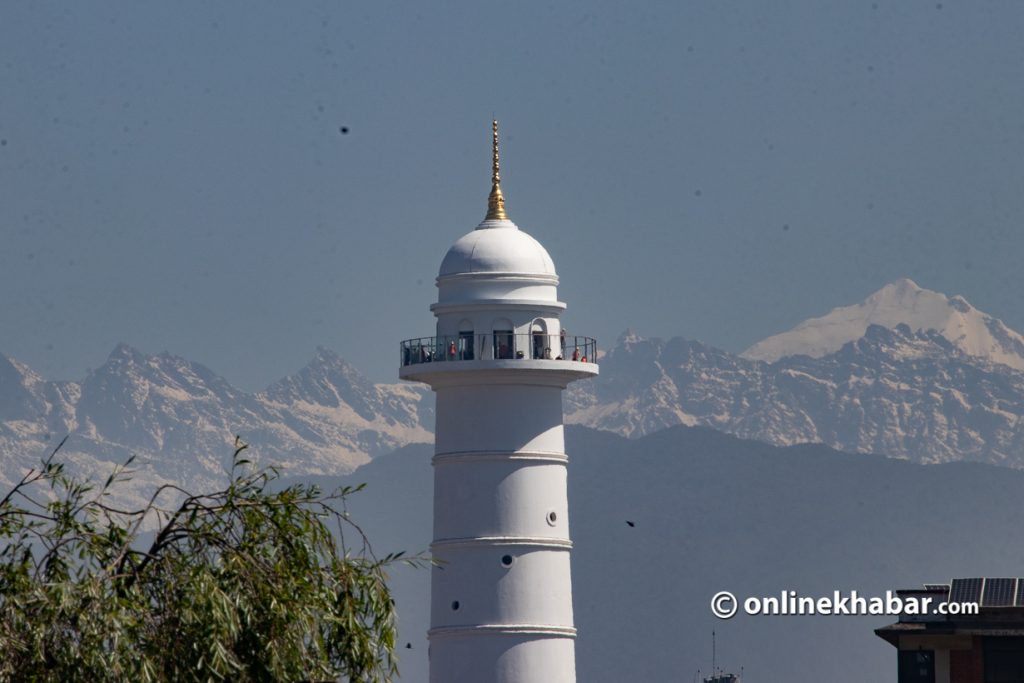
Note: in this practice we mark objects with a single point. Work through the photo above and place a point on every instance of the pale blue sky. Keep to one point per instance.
(173, 174)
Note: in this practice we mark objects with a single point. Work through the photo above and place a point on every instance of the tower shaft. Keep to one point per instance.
(501, 599)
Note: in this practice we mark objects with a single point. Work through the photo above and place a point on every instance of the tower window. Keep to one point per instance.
(539, 344)
(504, 343)
(506, 560)
(466, 345)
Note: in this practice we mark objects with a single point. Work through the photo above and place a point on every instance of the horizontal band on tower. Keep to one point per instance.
(537, 541)
(502, 630)
(539, 372)
(473, 456)
(540, 305)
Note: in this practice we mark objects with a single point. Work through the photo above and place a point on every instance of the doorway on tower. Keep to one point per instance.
(539, 336)
(465, 346)
(504, 342)
(466, 340)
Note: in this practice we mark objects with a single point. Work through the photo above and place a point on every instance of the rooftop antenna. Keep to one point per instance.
(714, 656)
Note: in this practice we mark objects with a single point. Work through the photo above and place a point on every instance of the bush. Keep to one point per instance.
(242, 584)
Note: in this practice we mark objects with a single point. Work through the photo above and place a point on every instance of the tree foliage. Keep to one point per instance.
(243, 584)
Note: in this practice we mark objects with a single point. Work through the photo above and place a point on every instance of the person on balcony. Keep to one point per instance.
(576, 354)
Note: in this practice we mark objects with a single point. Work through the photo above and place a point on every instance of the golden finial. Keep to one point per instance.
(496, 201)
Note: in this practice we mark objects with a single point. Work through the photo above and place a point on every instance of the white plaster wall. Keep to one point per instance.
(504, 659)
(536, 589)
(504, 418)
(476, 289)
(499, 498)
(448, 324)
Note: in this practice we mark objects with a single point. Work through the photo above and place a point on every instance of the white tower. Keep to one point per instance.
(501, 601)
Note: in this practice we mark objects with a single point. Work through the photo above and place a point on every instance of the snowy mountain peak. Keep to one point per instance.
(325, 356)
(901, 302)
(325, 369)
(123, 353)
(960, 304)
(629, 336)
(899, 288)
(16, 399)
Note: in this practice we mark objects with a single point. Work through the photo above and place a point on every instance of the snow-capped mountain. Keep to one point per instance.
(179, 418)
(947, 385)
(332, 404)
(898, 392)
(901, 302)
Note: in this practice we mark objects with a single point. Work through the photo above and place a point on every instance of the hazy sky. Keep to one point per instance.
(173, 174)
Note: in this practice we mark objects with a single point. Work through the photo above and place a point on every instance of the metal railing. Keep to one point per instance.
(500, 345)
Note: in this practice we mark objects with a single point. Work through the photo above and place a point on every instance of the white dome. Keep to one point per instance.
(497, 246)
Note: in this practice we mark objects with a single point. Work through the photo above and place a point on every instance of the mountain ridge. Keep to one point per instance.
(179, 418)
(898, 392)
(905, 392)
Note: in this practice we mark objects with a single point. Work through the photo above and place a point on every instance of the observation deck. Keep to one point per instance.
(425, 359)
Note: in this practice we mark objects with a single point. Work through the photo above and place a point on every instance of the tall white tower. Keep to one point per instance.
(501, 599)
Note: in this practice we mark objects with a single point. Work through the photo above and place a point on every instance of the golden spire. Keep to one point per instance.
(496, 201)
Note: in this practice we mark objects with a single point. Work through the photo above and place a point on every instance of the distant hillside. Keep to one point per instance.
(712, 513)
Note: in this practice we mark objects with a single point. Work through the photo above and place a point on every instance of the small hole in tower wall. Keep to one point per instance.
(506, 560)
(455, 605)
(552, 518)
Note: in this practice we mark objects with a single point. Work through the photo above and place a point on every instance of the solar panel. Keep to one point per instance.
(1020, 593)
(965, 590)
(999, 592)
(937, 587)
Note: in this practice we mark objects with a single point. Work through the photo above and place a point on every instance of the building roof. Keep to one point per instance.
(980, 625)
(1000, 610)
(497, 246)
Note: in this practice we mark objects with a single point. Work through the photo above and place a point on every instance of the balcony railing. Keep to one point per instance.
(498, 345)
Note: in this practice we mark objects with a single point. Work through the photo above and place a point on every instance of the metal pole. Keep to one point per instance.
(714, 656)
